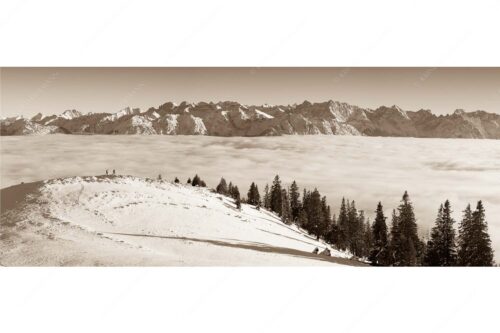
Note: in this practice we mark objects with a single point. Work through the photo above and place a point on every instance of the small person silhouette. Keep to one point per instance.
(114, 173)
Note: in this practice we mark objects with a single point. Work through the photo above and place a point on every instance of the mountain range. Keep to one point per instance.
(235, 119)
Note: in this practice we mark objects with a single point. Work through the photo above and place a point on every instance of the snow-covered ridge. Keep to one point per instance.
(125, 220)
(235, 119)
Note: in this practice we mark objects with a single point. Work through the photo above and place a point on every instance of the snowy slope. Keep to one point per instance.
(133, 221)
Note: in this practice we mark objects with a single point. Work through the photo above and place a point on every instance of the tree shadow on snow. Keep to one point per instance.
(260, 247)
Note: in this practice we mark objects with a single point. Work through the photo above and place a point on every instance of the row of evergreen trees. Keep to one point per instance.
(397, 245)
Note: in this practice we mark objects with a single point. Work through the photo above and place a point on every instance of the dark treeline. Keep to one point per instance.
(395, 245)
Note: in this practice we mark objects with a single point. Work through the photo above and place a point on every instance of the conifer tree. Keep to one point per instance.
(326, 217)
(342, 223)
(474, 240)
(368, 238)
(176, 180)
(196, 181)
(230, 188)
(395, 244)
(267, 197)
(302, 219)
(410, 243)
(379, 253)
(253, 195)
(276, 203)
(236, 196)
(286, 214)
(352, 228)
(189, 181)
(441, 249)
(332, 236)
(315, 216)
(222, 187)
(294, 200)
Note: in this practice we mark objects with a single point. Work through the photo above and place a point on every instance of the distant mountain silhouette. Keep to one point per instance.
(235, 119)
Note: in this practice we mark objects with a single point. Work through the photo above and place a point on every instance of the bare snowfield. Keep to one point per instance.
(366, 169)
(126, 221)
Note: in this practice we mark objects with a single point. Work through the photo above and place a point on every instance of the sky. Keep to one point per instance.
(27, 91)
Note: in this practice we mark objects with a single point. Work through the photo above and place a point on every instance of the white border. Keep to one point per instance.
(257, 33)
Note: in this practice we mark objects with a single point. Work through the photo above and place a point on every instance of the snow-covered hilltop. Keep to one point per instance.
(126, 221)
(235, 119)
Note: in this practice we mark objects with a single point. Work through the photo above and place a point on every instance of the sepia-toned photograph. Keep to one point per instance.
(250, 166)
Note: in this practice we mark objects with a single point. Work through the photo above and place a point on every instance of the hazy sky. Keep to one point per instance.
(28, 91)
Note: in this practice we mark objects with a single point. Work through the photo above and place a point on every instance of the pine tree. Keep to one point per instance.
(441, 250)
(222, 187)
(276, 204)
(410, 243)
(379, 253)
(230, 188)
(202, 183)
(176, 180)
(474, 240)
(294, 200)
(189, 181)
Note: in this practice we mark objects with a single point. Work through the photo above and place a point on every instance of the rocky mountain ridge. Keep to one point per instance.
(235, 119)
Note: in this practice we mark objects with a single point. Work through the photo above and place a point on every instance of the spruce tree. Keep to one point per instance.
(368, 239)
(441, 249)
(236, 196)
(474, 240)
(353, 228)
(286, 214)
(326, 221)
(395, 244)
(410, 243)
(267, 198)
(253, 195)
(302, 220)
(189, 181)
(315, 216)
(465, 248)
(342, 223)
(222, 187)
(379, 253)
(176, 180)
(294, 200)
(276, 203)
(196, 181)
